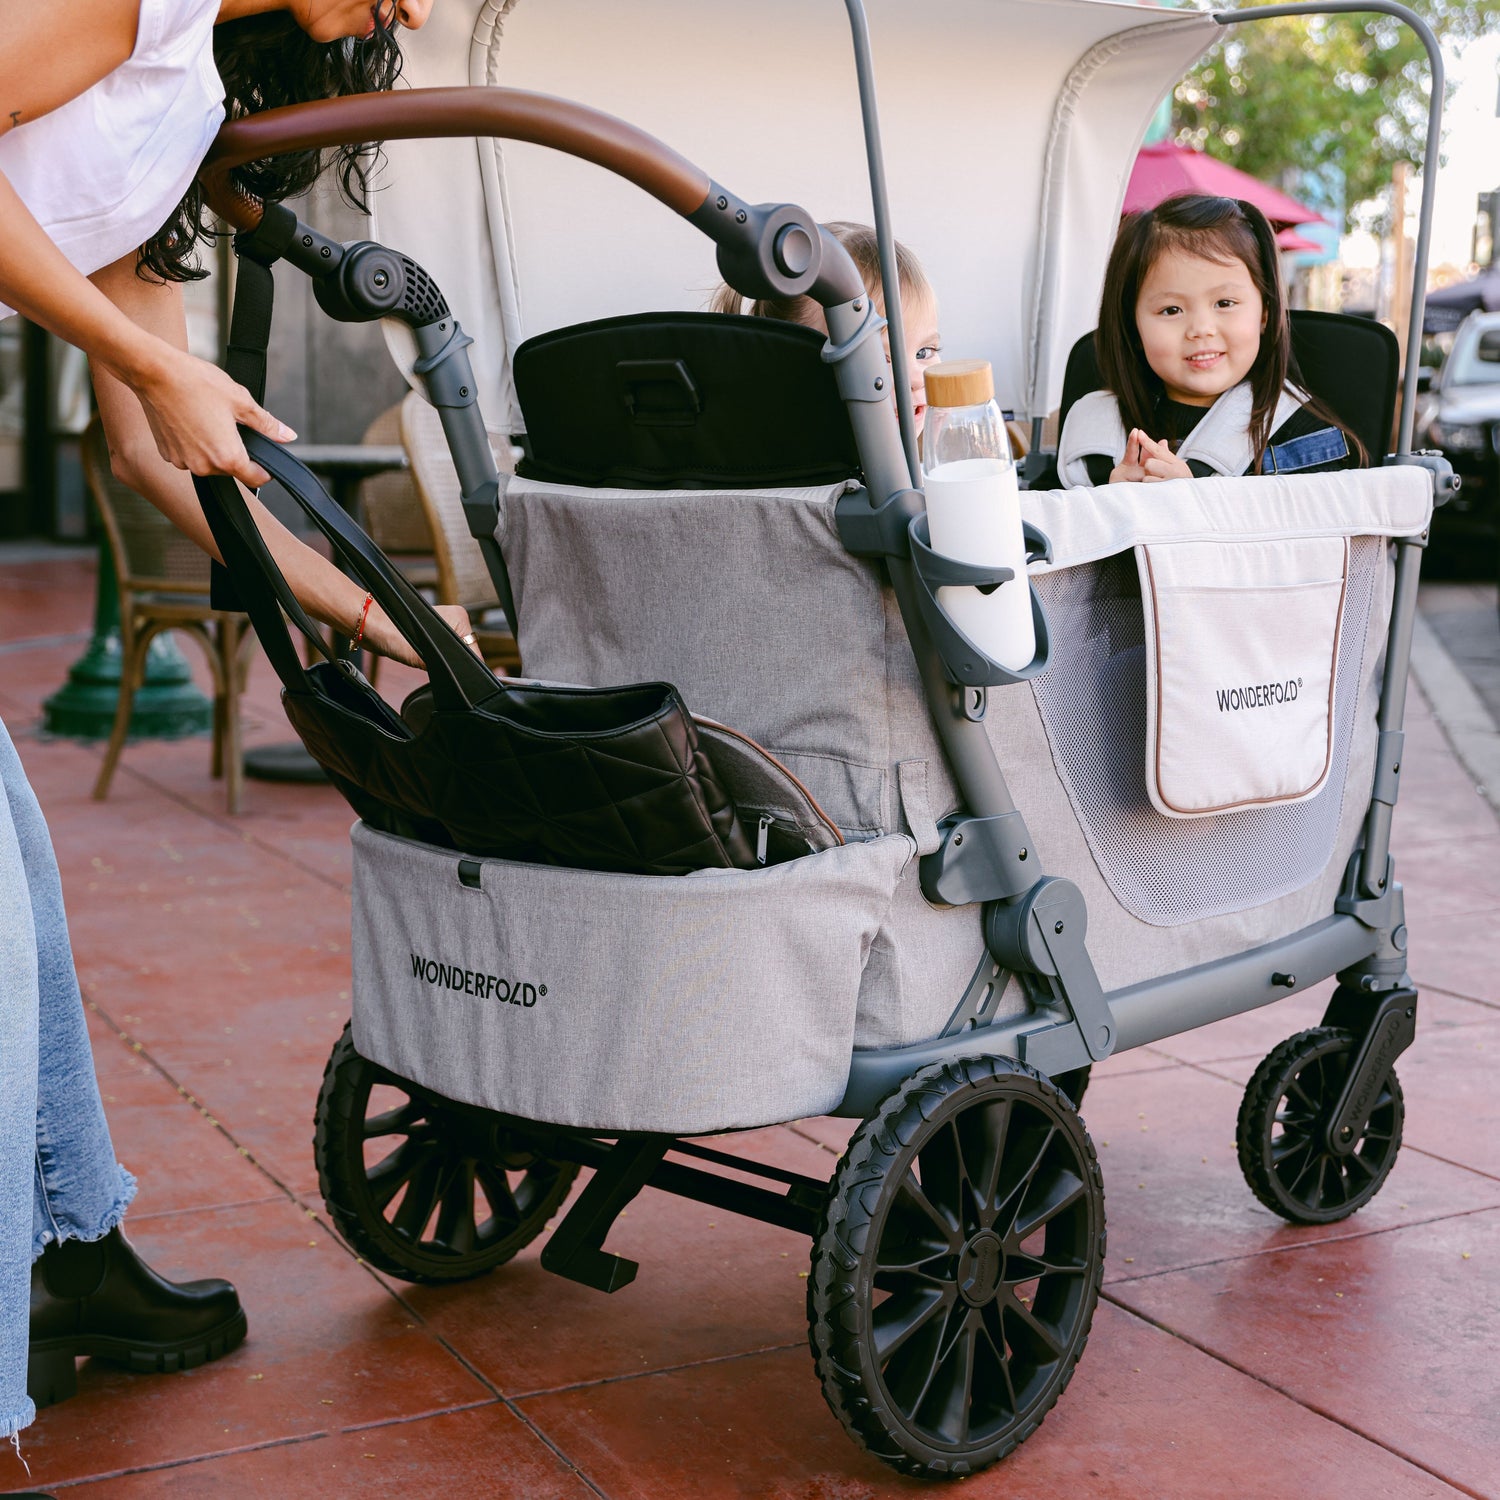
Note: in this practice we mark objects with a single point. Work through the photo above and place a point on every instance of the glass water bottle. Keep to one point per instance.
(974, 508)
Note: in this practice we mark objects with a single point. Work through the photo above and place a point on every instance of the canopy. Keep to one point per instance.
(1448, 306)
(1289, 239)
(1166, 169)
(1009, 129)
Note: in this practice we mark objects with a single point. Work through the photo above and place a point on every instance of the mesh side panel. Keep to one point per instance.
(1167, 871)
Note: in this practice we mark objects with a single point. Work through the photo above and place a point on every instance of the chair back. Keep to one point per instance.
(389, 505)
(463, 577)
(151, 555)
(1350, 364)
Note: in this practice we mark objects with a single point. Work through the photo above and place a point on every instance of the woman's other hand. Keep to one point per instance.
(382, 636)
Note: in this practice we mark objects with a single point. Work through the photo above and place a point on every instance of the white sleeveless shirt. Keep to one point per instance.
(103, 172)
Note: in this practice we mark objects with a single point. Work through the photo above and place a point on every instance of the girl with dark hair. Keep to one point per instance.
(1194, 346)
(106, 110)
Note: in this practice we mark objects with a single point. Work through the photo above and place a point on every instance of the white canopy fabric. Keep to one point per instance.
(1009, 128)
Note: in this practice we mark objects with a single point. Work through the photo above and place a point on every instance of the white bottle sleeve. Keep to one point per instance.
(974, 516)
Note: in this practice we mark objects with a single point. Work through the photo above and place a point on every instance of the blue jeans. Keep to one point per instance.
(58, 1176)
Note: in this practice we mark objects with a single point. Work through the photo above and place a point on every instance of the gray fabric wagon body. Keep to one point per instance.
(727, 1000)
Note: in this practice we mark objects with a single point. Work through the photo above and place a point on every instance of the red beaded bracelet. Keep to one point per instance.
(364, 615)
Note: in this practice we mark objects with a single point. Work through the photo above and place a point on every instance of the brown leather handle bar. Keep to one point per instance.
(512, 114)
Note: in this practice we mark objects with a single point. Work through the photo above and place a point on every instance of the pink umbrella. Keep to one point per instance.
(1167, 169)
(1289, 239)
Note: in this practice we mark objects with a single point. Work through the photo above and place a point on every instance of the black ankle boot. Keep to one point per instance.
(100, 1298)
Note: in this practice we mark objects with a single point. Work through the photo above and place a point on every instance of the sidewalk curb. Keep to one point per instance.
(1459, 710)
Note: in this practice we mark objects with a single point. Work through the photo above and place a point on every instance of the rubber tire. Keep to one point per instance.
(1075, 1083)
(1265, 1091)
(338, 1149)
(837, 1314)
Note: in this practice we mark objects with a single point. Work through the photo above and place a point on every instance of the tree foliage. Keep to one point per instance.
(1348, 93)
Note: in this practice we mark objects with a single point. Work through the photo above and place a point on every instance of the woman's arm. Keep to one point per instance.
(50, 53)
(155, 308)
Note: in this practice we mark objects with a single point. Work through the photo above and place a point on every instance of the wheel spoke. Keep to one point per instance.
(1019, 1269)
(397, 1121)
(935, 1270)
(952, 1387)
(389, 1175)
(994, 1333)
(422, 1194)
(456, 1228)
(1015, 1199)
(1060, 1193)
(1288, 1146)
(1354, 1159)
(498, 1193)
(982, 1136)
(912, 1203)
(1034, 1332)
(1294, 1087)
(1311, 1164)
(901, 1316)
(910, 1370)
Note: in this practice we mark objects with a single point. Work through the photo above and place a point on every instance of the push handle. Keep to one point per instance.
(764, 250)
(512, 114)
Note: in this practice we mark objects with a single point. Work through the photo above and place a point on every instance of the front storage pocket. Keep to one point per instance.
(1241, 644)
(682, 1004)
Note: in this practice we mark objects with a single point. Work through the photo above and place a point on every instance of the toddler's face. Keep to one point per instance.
(1200, 323)
(924, 345)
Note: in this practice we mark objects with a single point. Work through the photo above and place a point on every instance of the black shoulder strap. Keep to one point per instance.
(257, 251)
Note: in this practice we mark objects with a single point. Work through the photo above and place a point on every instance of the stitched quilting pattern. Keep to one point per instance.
(639, 797)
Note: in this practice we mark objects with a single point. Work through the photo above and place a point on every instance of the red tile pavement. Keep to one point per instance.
(1146, 1415)
(1391, 1335)
(214, 952)
(482, 1451)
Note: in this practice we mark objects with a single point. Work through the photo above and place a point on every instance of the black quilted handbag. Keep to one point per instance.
(596, 778)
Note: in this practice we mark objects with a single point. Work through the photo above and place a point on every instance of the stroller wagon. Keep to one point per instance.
(1206, 749)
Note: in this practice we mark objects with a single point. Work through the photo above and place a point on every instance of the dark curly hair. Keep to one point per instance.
(265, 61)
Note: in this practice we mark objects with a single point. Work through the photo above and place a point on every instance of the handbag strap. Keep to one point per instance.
(459, 678)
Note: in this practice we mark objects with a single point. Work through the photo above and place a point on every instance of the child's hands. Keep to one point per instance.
(1148, 461)
(1131, 468)
(1159, 462)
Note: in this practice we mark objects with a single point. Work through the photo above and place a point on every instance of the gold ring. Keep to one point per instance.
(470, 639)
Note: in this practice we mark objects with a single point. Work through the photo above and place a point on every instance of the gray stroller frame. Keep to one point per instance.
(970, 1200)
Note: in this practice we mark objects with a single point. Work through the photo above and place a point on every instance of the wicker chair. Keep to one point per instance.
(163, 583)
(462, 577)
(392, 513)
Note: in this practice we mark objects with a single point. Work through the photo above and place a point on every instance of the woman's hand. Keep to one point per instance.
(1160, 463)
(192, 408)
(382, 636)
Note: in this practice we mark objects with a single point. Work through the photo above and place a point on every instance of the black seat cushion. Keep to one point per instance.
(680, 400)
(1351, 364)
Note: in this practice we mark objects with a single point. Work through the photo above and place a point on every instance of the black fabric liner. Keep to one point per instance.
(677, 400)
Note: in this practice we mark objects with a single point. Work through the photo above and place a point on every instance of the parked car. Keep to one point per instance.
(1461, 417)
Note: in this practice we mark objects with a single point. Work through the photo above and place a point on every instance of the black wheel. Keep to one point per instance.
(420, 1187)
(1283, 1125)
(957, 1266)
(1074, 1083)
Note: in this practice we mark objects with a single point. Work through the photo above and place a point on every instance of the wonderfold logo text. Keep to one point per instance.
(474, 982)
(1258, 695)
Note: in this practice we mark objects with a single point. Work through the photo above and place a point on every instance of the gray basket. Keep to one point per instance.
(681, 1004)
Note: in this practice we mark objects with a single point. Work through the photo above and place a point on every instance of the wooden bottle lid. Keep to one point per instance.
(960, 382)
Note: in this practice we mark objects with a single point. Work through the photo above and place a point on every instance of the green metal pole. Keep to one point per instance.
(167, 706)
